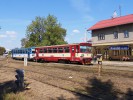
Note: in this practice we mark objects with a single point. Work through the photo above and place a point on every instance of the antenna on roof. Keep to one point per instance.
(114, 14)
(120, 9)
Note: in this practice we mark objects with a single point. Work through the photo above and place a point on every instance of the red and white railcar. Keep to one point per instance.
(78, 52)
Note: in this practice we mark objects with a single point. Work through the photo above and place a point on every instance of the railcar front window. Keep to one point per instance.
(85, 49)
(33, 50)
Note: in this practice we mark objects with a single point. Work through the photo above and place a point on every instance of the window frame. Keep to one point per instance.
(55, 50)
(115, 34)
(60, 49)
(101, 36)
(126, 34)
(50, 50)
(41, 50)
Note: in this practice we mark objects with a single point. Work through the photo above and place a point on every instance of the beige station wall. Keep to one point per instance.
(109, 36)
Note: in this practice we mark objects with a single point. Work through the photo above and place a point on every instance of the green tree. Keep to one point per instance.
(45, 31)
(2, 50)
(23, 42)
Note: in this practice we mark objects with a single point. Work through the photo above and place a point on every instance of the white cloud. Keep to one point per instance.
(11, 34)
(76, 31)
(3, 36)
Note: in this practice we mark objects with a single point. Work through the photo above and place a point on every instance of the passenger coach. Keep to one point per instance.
(20, 53)
(79, 52)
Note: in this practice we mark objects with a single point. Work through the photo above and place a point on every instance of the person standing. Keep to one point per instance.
(100, 59)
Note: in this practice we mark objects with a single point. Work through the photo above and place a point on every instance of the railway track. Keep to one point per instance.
(55, 77)
(44, 82)
(107, 69)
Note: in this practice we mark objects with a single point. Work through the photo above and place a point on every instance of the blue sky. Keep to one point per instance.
(74, 15)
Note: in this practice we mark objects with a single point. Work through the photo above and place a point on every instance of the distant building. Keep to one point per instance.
(113, 38)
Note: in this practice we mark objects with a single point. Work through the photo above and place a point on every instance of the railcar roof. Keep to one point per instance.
(23, 48)
(62, 45)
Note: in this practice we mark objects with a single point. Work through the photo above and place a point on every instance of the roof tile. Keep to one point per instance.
(113, 22)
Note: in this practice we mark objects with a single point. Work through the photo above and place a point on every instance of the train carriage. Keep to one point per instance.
(78, 52)
(20, 53)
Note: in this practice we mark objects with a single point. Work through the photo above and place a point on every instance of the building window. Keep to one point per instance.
(101, 36)
(115, 35)
(126, 34)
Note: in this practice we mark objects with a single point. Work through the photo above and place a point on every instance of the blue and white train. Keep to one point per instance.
(20, 53)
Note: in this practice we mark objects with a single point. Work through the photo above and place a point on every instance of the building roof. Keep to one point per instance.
(113, 22)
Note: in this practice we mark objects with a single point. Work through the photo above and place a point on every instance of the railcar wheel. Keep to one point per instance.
(67, 61)
(83, 63)
(110, 58)
(41, 61)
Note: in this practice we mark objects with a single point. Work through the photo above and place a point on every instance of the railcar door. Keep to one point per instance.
(29, 50)
(73, 53)
(37, 51)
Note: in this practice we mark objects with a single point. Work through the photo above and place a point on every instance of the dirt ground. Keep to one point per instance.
(53, 81)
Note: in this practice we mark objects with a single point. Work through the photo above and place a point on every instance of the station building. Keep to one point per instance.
(113, 38)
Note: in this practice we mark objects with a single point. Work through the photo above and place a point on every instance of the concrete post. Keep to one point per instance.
(25, 61)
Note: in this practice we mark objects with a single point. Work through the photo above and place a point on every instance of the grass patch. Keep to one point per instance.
(12, 96)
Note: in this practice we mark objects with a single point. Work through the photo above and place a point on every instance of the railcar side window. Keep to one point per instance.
(85, 49)
(45, 50)
(54, 50)
(23, 51)
(41, 50)
(18, 51)
(60, 50)
(49, 50)
(67, 50)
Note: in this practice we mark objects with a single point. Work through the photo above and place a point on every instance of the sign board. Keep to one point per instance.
(118, 47)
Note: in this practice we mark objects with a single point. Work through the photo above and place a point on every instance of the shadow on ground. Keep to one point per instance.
(99, 90)
(96, 89)
(102, 90)
(6, 87)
